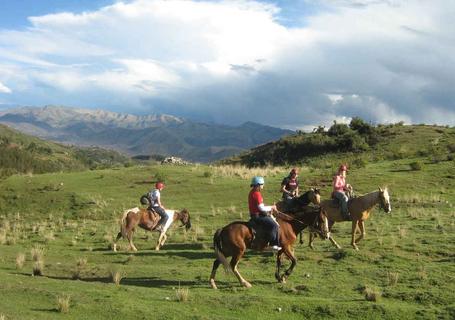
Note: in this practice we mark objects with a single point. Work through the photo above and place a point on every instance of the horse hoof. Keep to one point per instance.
(213, 285)
(246, 284)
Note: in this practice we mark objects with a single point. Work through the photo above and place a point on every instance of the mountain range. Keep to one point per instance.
(140, 134)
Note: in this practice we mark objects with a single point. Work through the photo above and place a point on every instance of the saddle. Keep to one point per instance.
(259, 235)
(154, 218)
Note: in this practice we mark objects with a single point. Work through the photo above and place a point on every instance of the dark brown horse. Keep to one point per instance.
(311, 196)
(147, 220)
(233, 239)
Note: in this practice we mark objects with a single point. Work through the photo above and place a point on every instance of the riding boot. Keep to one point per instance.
(347, 216)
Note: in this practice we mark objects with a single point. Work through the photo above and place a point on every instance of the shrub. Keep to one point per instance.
(38, 267)
(416, 166)
(208, 174)
(116, 276)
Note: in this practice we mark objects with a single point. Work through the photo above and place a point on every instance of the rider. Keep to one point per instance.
(340, 187)
(157, 206)
(290, 186)
(259, 213)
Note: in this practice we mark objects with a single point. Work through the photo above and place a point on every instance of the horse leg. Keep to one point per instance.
(311, 240)
(353, 231)
(362, 230)
(234, 262)
(163, 240)
(158, 243)
(278, 265)
(129, 236)
(216, 264)
(334, 242)
(301, 237)
(289, 254)
(114, 246)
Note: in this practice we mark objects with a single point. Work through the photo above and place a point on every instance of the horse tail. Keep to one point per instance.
(123, 221)
(218, 250)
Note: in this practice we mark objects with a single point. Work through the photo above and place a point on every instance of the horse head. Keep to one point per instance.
(384, 200)
(321, 225)
(184, 217)
(312, 195)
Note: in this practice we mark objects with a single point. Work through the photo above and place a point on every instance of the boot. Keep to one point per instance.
(347, 216)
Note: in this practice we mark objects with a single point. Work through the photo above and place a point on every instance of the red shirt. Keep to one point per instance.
(254, 200)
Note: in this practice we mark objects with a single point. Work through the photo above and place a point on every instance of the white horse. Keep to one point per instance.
(148, 220)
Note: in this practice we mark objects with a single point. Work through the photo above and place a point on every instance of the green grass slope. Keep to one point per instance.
(406, 263)
(359, 140)
(21, 153)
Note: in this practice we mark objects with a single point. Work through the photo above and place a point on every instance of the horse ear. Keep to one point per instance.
(380, 189)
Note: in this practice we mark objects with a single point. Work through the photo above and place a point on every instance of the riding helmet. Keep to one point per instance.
(159, 185)
(257, 180)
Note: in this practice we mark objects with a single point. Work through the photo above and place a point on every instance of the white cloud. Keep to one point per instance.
(4, 89)
(231, 61)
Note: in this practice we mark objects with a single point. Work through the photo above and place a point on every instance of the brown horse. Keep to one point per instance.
(233, 239)
(147, 220)
(360, 209)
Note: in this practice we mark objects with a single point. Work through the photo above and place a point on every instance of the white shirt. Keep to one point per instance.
(155, 197)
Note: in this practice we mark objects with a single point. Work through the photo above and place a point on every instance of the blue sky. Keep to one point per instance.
(294, 64)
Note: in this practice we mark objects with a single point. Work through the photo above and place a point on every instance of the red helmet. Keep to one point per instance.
(343, 167)
(159, 185)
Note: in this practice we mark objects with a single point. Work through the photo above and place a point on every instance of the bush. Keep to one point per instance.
(416, 166)
(359, 163)
(338, 129)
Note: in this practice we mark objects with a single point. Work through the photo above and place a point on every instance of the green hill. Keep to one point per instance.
(21, 153)
(357, 142)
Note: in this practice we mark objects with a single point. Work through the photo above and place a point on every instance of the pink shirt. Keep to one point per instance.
(339, 183)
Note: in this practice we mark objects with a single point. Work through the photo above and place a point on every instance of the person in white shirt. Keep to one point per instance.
(157, 206)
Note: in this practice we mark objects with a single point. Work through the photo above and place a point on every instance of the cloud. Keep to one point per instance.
(232, 61)
(4, 89)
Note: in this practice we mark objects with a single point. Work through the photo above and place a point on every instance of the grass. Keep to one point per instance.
(406, 260)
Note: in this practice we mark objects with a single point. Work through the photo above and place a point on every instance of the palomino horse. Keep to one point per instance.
(233, 239)
(146, 220)
(360, 209)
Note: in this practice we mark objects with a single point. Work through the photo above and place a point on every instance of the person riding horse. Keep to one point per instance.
(157, 206)
(340, 190)
(290, 186)
(259, 213)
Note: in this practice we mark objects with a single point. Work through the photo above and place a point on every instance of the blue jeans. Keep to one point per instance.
(343, 198)
(162, 214)
(270, 226)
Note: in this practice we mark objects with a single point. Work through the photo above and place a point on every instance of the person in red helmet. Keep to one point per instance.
(340, 188)
(157, 206)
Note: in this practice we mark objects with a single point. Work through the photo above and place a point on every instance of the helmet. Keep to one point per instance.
(257, 180)
(159, 185)
(294, 171)
(343, 167)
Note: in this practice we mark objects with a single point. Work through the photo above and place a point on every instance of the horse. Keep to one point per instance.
(360, 209)
(233, 239)
(147, 220)
(311, 196)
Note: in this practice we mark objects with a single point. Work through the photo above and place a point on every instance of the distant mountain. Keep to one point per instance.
(140, 135)
(21, 153)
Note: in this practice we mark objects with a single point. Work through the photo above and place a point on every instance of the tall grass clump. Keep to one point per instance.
(20, 260)
(63, 303)
(392, 278)
(37, 253)
(116, 276)
(372, 294)
(182, 294)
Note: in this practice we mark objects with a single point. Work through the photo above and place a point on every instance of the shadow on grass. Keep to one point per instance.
(46, 310)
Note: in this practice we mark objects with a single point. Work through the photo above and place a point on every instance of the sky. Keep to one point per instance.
(293, 64)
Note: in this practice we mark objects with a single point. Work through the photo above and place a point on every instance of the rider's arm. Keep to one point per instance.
(283, 189)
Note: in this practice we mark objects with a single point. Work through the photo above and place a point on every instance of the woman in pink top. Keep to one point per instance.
(339, 190)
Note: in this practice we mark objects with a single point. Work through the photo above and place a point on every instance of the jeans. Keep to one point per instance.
(162, 214)
(270, 226)
(343, 198)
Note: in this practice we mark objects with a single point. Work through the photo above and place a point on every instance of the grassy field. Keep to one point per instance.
(62, 225)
